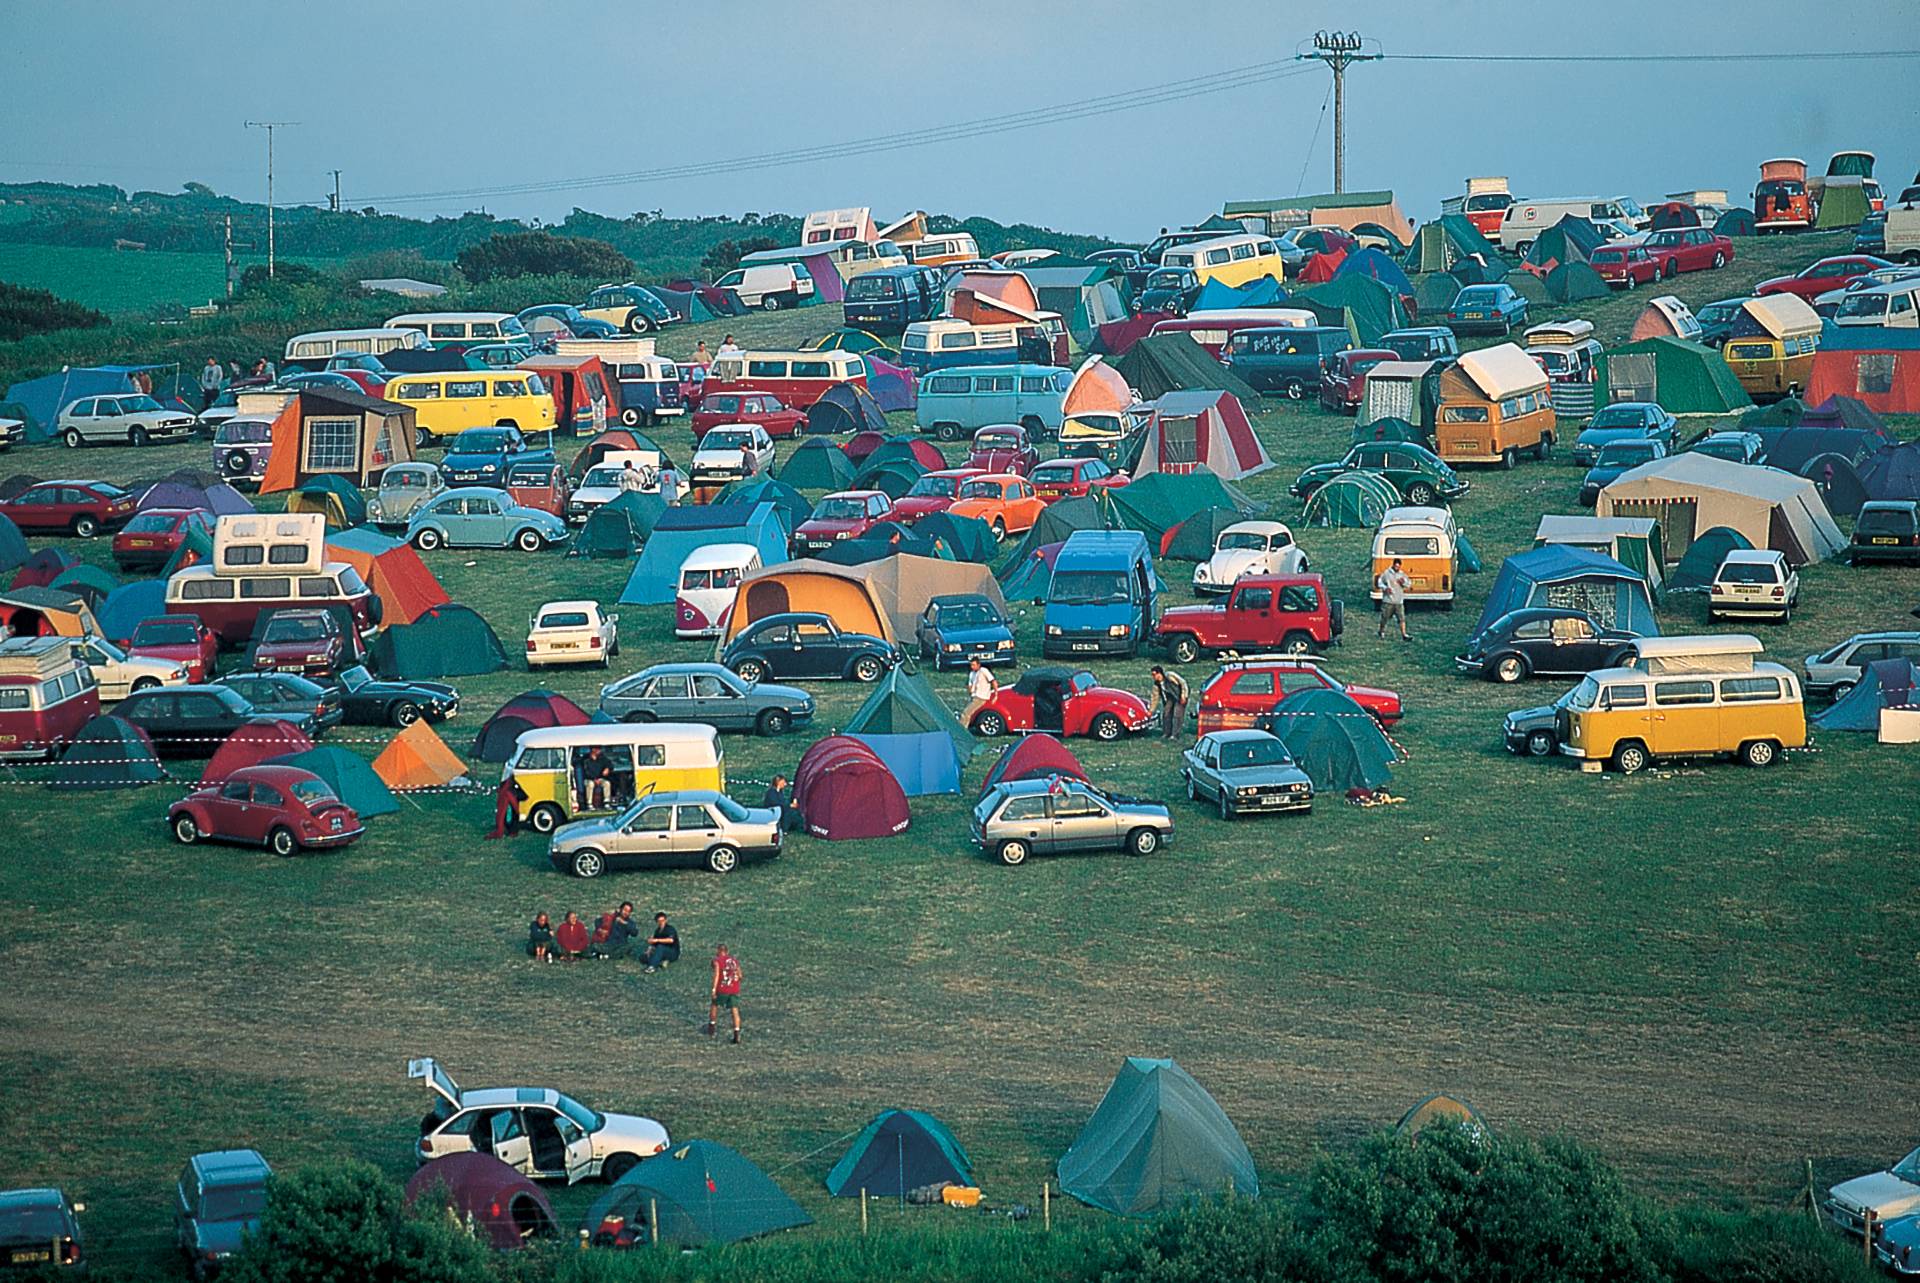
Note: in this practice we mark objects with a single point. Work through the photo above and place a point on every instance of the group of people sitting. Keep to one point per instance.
(614, 936)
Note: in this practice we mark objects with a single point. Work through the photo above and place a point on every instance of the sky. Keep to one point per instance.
(439, 97)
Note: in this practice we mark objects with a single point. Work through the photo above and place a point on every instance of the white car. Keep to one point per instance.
(1889, 1194)
(1249, 548)
(731, 451)
(602, 482)
(120, 674)
(1828, 303)
(537, 1131)
(572, 632)
(1754, 581)
(129, 419)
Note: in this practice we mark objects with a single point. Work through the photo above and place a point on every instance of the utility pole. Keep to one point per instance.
(335, 206)
(270, 126)
(1339, 49)
(229, 248)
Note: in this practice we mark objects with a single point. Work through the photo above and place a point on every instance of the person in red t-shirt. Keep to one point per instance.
(571, 936)
(726, 991)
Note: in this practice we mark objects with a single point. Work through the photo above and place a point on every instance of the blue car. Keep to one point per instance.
(482, 517)
(1624, 421)
(1717, 320)
(479, 456)
(1488, 309)
(543, 319)
(1615, 458)
(959, 627)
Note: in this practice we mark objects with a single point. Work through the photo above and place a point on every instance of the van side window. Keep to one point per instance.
(417, 391)
(249, 555)
(321, 587)
(766, 369)
(282, 554)
(13, 697)
(1630, 696)
(994, 383)
(1676, 694)
(542, 759)
(958, 338)
(272, 589)
(1030, 384)
(1300, 598)
(510, 387)
(812, 370)
(206, 590)
(1217, 256)
(947, 384)
(447, 330)
(466, 387)
(1746, 690)
(1242, 251)
(650, 755)
(1465, 414)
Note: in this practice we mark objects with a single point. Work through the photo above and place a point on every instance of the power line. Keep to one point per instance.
(1816, 56)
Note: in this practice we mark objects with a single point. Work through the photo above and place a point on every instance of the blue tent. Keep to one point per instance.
(1562, 575)
(910, 730)
(685, 527)
(1376, 264)
(13, 545)
(1885, 683)
(1263, 292)
(45, 397)
(127, 605)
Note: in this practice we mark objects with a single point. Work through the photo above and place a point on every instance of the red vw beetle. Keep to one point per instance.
(934, 492)
(184, 639)
(1003, 447)
(1062, 701)
(282, 808)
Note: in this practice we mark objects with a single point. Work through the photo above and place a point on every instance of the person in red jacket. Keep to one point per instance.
(726, 991)
(571, 937)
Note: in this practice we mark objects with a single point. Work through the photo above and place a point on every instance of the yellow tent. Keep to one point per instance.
(418, 759)
(845, 594)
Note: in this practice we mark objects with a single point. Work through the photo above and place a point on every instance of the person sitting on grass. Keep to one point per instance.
(571, 937)
(663, 946)
(540, 938)
(622, 931)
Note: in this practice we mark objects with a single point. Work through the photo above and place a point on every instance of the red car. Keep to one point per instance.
(83, 508)
(1827, 274)
(1625, 266)
(1061, 701)
(184, 639)
(1241, 691)
(540, 485)
(1290, 613)
(1003, 447)
(933, 492)
(762, 408)
(282, 808)
(309, 643)
(1688, 249)
(1343, 377)
(1074, 478)
(153, 536)
(845, 514)
(693, 383)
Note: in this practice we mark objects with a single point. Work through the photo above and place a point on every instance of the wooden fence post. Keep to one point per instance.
(863, 1209)
(1046, 1204)
(653, 1220)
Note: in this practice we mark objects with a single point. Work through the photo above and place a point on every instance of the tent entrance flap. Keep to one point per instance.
(1677, 518)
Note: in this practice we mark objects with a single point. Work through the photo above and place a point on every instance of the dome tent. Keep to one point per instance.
(1703, 557)
(843, 791)
(417, 758)
(1193, 539)
(818, 464)
(1575, 283)
(1838, 482)
(127, 605)
(252, 744)
(900, 1150)
(765, 488)
(619, 527)
(448, 641)
(13, 545)
(1440, 1110)
(703, 1192)
(350, 776)
(1030, 577)
(524, 712)
(909, 729)
(1156, 1141)
(843, 410)
(108, 753)
(1351, 500)
(1335, 741)
(1032, 757)
(1884, 683)
(502, 1208)
(1616, 595)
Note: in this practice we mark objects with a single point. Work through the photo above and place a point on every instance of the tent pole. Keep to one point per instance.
(900, 1151)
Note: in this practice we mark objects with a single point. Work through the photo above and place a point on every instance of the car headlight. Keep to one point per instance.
(1004, 644)
(843, 534)
(952, 648)
(1053, 630)
(373, 508)
(1120, 630)
(321, 658)
(1247, 792)
(1201, 574)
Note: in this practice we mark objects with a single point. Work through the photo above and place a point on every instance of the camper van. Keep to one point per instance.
(1485, 201)
(1426, 543)
(1569, 354)
(1781, 202)
(768, 286)
(1286, 359)
(289, 543)
(458, 331)
(312, 351)
(953, 403)
(1523, 221)
(448, 402)
(797, 378)
(1699, 652)
(582, 401)
(47, 696)
(946, 341)
(1103, 595)
(1895, 306)
(1771, 346)
(889, 299)
(942, 247)
(648, 383)
(231, 604)
(1231, 260)
(1211, 328)
(647, 757)
(1631, 717)
(709, 580)
(1494, 403)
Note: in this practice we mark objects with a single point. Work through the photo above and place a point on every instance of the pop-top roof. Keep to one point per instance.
(1501, 372)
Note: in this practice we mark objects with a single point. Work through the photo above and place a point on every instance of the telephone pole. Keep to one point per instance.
(1339, 49)
(270, 126)
(335, 205)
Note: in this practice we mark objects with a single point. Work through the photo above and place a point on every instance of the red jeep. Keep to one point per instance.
(1244, 689)
(1288, 613)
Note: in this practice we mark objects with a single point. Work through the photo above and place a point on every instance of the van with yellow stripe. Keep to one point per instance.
(1631, 717)
(551, 766)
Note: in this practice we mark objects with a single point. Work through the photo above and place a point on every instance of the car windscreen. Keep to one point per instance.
(406, 479)
(1167, 280)
(1583, 697)
(969, 614)
(1748, 572)
(981, 490)
(1253, 753)
(243, 432)
(1245, 540)
(148, 523)
(165, 632)
(36, 1225)
(1615, 416)
(579, 1113)
(1908, 1168)
(482, 439)
(295, 630)
(726, 441)
(1088, 587)
(868, 287)
(996, 441)
(598, 478)
(934, 488)
(234, 1202)
(1887, 521)
(840, 510)
(1625, 455)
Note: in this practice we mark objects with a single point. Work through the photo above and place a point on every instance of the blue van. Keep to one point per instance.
(649, 383)
(1102, 598)
(889, 299)
(947, 341)
(952, 403)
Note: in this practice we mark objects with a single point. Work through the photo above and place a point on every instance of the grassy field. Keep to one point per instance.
(122, 282)
(1699, 971)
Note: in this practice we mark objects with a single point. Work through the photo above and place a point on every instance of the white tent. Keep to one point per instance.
(1690, 493)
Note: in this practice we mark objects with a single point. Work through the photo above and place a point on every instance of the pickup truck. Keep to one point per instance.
(1290, 613)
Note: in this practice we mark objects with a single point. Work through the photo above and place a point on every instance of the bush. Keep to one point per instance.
(726, 256)
(542, 254)
(345, 1223)
(1222, 1241)
(1711, 1247)
(25, 310)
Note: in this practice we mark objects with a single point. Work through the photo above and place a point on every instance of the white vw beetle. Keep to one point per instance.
(537, 1131)
(1249, 548)
(572, 632)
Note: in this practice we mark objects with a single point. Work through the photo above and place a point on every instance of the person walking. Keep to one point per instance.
(1393, 584)
(726, 991)
(212, 378)
(663, 946)
(1170, 694)
(981, 687)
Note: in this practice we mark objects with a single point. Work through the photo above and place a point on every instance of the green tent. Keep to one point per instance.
(1531, 288)
(1436, 291)
(817, 464)
(1057, 521)
(108, 754)
(848, 339)
(448, 641)
(1156, 1141)
(196, 549)
(1784, 413)
(1703, 557)
(618, 527)
(351, 777)
(903, 704)
(962, 538)
(900, 1150)
(1682, 377)
(1163, 363)
(1334, 740)
(1388, 430)
(893, 477)
(704, 1193)
(1193, 539)
(1363, 305)
(1575, 283)
(765, 488)
(1451, 241)
(1351, 501)
(1571, 240)
(87, 581)
(1843, 204)
(1086, 295)
(1159, 501)
(331, 494)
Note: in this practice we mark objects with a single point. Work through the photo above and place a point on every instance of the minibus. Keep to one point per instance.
(1427, 545)
(462, 330)
(1211, 328)
(648, 383)
(549, 764)
(1231, 260)
(952, 403)
(1630, 718)
(947, 341)
(448, 402)
(47, 696)
(709, 580)
(797, 378)
(313, 350)
(1771, 346)
(1101, 600)
(889, 299)
(942, 247)
(230, 605)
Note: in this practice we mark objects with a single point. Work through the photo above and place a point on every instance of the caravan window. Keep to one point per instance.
(332, 445)
(958, 339)
(812, 369)
(206, 590)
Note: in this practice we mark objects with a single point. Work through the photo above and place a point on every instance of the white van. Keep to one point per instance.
(768, 285)
(1524, 220)
(945, 247)
(709, 580)
(1895, 306)
(313, 350)
(461, 330)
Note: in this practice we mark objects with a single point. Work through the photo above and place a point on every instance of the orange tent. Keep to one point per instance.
(418, 759)
(283, 455)
(406, 588)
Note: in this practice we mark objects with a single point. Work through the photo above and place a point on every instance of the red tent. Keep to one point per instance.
(1321, 267)
(1200, 428)
(1033, 757)
(406, 588)
(253, 744)
(1115, 337)
(861, 444)
(522, 713)
(845, 791)
(503, 1207)
(45, 566)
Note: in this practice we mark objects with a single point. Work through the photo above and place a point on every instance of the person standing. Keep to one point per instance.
(1393, 584)
(726, 991)
(779, 797)
(981, 687)
(212, 379)
(1170, 695)
(663, 946)
(631, 482)
(728, 347)
(700, 354)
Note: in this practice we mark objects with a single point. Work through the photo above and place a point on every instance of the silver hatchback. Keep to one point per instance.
(692, 828)
(1020, 818)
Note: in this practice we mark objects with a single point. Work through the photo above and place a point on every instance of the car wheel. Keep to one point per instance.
(1719, 259)
(145, 684)
(1672, 269)
(771, 303)
(588, 863)
(1297, 643)
(722, 859)
(867, 669)
(637, 323)
(544, 818)
(404, 713)
(1226, 807)
(616, 1166)
(1540, 744)
(1193, 790)
(1185, 649)
(1509, 669)
(1107, 728)
(630, 417)
(999, 530)
(947, 431)
(1841, 690)
(426, 539)
(1630, 758)
(1759, 753)
(1545, 450)
(422, 437)
(185, 831)
(528, 540)
(137, 436)
(1143, 841)
(73, 438)
(1012, 853)
(775, 722)
(1420, 494)
(281, 842)
(1633, 281)
(751, 670)
(990, 724)
(1294, 389)
(86, 526)
(1509, 459)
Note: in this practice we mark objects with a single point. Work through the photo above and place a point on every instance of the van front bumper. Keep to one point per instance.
(1072, 644)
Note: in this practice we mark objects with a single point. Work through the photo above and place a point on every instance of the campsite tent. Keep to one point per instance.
(1057, 521)
(892, 477)
(847, 339)
(1193, 539)
(905, 584)
(1200, 430)
(683, 528)
(703, 1193)
(1439, 1111)
(861, 444)
(1695, 570)
(1086, 295)
(1575, 283)
(1693, 491)
(891, 386)
(1156, 1141)
(1388, 429)
(1664, 316)
(845, 409)
(1350, 501)
(526, 711)
(1325, 209)
(395, 572)
(417, 758)
(909, 729)
(1451, 242)
(1163, 363)
(503, 1208)
(332, 496)
(961, 538)
(1034, 756)
(448, 641)
(351, 776)
(1376, 265)
(1843, 411)
(1884, 683)
(219, 498)
(1672, 213)
(1028, 577)
(1335, 741)
(1792, 449)
(1436, 291)
(90, 583)
(844, 791)
(1877, 364)
(899, 1151)
(1571, 240)
(617, 528)
(1844, 204)
(40, 569)
(42, 399)
(1364, 307)
(915, 451)
(336, 431)
(127, 605)
(251, 744)
(1892, 472)
(1632, 541)
(817, 464)
(13, 545)
(1736, 222)
(108, 754)
(845, 594)
(765, 488)
(1563, 575)
(1682, 377)
(1838, 482)
(1160, 501)
(613, 439)
(45, 612)
(1215, 295)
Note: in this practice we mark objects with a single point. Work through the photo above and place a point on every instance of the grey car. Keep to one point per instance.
(692, 828)
(1245, 772)
(1837, 670)
(1020, 818)
(708, 693)
(216, 1204)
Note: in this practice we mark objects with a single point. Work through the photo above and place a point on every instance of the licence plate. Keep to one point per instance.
(566, 645)
(1084, 646)
(334, 824)
(1883, 539)
(148, 543)
(1476, 316)
(29, 1256)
